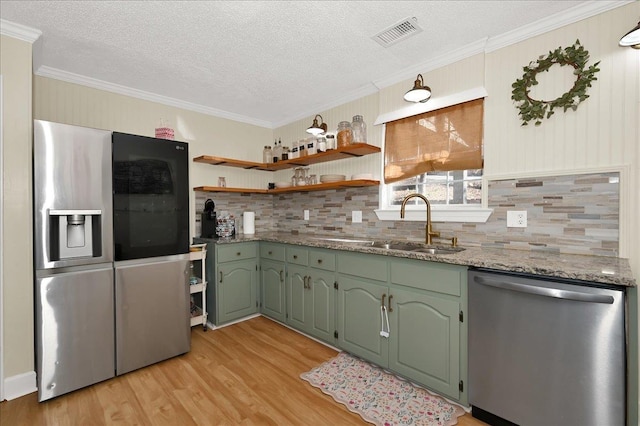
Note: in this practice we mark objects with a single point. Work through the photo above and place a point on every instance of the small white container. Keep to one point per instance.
(311, 146)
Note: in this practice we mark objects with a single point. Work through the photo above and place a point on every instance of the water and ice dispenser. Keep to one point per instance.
(75, 233)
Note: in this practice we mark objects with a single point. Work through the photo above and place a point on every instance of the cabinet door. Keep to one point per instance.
(359, 322)
(321, 302)
(425, 340)
(272, 287)
(296, 294)
(236, 290)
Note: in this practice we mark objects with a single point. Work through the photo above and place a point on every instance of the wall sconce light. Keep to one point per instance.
(317, 129)
(632, 38)
(419, 93)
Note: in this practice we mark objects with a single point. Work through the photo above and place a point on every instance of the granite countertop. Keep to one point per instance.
(598, 269)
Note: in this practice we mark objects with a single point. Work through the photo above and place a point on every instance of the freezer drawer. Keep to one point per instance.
(152, 311)
(74, 329)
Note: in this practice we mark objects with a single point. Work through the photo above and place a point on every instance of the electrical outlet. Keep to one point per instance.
(517, 219)
(356, 216)
(306, 215)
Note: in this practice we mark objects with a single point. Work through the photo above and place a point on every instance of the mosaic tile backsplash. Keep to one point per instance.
(577, 214)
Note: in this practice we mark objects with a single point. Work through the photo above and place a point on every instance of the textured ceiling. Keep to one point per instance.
(271, 62)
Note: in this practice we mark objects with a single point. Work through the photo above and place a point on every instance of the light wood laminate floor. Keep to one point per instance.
(247, 373)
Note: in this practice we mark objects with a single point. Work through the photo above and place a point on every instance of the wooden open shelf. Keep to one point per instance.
(304, 188)
(355, 150)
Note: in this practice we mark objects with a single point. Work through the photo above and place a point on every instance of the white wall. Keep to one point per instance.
(17, 270)
(70, 103)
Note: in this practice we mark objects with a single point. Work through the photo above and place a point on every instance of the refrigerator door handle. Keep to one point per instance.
(547, 292)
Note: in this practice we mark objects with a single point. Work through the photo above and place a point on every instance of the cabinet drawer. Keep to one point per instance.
(298, 255)
(322, 260)
(438, 277)
(240, 251)
(272, 251)
(363, 265)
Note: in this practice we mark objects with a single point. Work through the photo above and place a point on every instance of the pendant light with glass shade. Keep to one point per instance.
(632, 38)
(419, 93)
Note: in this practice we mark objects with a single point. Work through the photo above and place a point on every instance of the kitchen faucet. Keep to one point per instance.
(429, 234)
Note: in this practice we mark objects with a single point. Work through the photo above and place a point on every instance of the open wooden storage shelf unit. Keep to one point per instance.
(354, 150)
(304, 188)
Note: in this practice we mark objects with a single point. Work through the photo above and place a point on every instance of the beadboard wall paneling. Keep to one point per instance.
(597, 134)
(17, 238)
(455, 78)
(70, 103)
(368, 108)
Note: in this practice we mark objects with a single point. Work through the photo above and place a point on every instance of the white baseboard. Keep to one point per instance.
(20, 385)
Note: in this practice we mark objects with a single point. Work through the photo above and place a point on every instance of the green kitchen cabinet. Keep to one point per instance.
(424, 342)
(236, 281)
(310, 292)
(359, 319)
(272, 286)
(272, 281)
(424, 303)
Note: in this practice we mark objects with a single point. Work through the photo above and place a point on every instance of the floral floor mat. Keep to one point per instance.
(379, 397)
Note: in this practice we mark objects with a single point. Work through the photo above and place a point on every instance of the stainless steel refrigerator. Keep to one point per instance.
(96, 317)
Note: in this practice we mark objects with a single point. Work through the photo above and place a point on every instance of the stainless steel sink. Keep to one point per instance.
(344, 240)
(395, 245)
(415, 247)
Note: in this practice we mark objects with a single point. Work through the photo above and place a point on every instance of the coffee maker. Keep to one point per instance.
(208, 220)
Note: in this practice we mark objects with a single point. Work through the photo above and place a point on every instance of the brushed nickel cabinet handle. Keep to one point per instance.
(384, 295)
(281, 275)
(389, 308)
(220, 276)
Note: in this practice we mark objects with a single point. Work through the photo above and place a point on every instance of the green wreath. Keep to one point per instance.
(533, 109)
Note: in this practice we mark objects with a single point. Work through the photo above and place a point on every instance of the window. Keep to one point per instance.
(460, 187)
(437, 154)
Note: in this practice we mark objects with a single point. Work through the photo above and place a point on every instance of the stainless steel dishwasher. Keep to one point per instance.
(545, 353)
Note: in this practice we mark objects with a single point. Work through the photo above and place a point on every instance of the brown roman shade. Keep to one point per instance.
(442, 140)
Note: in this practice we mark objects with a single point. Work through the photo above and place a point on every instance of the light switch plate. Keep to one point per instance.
(306, 215)
(356, 216)
(516, 219)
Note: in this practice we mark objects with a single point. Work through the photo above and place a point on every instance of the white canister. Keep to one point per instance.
(248, 223)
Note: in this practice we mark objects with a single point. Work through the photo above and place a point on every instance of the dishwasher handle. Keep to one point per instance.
(547, 292)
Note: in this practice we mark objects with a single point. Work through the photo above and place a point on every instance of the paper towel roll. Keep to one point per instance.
(248, 223)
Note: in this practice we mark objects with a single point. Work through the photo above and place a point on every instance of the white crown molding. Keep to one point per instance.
(69, 77)
(19, 31)
(432, 64)
(348, 97)
(558, 20)
(569, 16)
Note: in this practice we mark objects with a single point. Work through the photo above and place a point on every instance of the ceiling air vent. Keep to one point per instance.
(397, 32)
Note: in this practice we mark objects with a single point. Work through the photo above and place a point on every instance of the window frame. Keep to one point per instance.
(439, 212)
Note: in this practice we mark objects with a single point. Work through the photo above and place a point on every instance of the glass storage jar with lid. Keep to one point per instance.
(267, 154)
(345, 136)
(359, 130)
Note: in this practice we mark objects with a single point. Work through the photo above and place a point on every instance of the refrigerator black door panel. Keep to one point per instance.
(74, 329)
(150, 197)
(152, 311)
